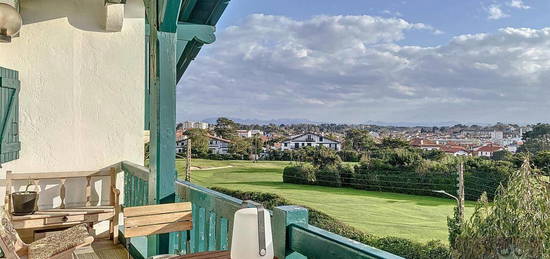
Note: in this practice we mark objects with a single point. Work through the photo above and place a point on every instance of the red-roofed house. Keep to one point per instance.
(488, 150)
(455, 150)
(425, 144)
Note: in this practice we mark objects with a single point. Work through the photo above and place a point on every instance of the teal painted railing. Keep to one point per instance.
(136, 187)
(212, 218)
(292, 235)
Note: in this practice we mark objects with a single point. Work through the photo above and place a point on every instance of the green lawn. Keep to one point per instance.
(384, 214)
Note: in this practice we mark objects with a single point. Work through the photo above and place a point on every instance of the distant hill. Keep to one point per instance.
(265, 122)
(306, 121)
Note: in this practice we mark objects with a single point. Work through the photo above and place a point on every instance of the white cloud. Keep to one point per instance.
(396, 13)
(496, 13)
(353, 69)
(518, 4)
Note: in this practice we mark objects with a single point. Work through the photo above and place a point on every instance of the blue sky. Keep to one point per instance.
(453, 17)
(357, 61)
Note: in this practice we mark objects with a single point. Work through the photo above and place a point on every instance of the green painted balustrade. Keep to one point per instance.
(136, 187)
(213, 214)
(293, 237)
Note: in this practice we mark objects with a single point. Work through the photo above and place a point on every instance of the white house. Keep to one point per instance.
(195, 125)
(216, 145)
(310, 140)
(488, 150)
(249, 133)
(455, 150)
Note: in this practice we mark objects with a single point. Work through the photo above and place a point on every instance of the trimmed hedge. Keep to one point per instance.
(347, 174)
(328, 176)
(395, 245)
(403, 181)
(484, 176)
(300, 174)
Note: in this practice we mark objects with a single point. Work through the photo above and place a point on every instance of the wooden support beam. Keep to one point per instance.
(168, 14)
(199, 32)
(191, 37)
(163, 128)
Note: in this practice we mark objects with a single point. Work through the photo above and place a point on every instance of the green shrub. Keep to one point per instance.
(300, 174)
(328, 176)
(347, 174)
(398, 246)
(349, 155)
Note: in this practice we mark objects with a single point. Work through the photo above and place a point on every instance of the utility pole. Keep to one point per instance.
(460, 192)
(188, 163)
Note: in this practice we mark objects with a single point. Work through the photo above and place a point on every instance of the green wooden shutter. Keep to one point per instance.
(9, 115)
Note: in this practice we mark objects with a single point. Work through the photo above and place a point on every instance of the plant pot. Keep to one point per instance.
(24, 203)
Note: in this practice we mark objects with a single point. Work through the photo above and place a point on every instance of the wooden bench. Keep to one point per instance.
(60, 245)
(157, 219)
(65, 216)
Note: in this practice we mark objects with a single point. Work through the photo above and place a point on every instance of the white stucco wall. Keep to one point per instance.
(82, 98)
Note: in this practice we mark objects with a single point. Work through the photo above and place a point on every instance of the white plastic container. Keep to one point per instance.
(245, 242)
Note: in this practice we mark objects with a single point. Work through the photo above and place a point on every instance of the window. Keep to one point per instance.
(296, 145)
(309, 144)
(321, 139)
(286, 144)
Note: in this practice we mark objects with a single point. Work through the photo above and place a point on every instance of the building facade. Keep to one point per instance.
(194, 125)
(81, 98)
(249, 133)
(310, 140)
(216, 145)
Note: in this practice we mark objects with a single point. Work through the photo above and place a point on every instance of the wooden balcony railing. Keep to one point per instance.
(212, 218)
(292, 235)
(213, 214)
(136, 187)
(297, 238)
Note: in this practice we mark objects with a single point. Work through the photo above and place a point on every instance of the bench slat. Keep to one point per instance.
(51, 221)
(157, 209)
(61, 212)
(158, 229)
(157, 219)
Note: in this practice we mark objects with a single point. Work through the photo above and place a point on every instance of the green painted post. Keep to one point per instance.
(163, 132)
(283, 216)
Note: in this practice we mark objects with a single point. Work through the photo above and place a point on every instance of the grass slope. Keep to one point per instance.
(418, 218)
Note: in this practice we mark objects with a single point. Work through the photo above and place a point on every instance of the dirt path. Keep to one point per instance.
(196, 168)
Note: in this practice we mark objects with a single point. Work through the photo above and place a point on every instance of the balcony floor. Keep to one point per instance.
(102, 249)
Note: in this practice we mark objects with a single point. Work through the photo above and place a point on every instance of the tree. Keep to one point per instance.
(323, 157)
(199, 141)
(502, 155)
(516, 225)
(403, 158)
(358, 140)
(536, 140)
(240, 146)
(225, 128)
(390, 142)
(542, 162)
(256, 144)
